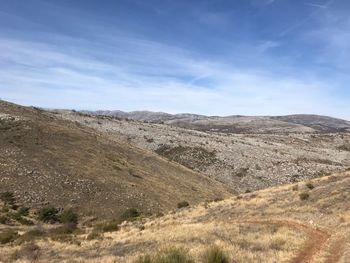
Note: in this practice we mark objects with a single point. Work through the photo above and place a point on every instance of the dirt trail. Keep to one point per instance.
(336, 248)
(316, 238)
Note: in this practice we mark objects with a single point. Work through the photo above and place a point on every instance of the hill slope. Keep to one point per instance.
(304, 222)
(318, 123)
(49, 160)
(241, 161)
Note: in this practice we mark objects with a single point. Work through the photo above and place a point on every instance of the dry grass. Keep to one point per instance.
(272, 225)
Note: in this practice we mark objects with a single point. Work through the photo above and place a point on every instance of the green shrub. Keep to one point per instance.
(130, 214)
(171, 255)
(17, 216)
(25, 221)
(183, 204)
(7, 236)
(68, 216)
(304, 196)
(48, 214)
(215, 255)
(23, 211)
(8, 198)
(4, 220)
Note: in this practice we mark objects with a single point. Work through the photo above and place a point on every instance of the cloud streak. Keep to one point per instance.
(116, 68)
(172, 82)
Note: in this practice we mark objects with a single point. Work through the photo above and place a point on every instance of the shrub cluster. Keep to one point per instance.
(48, 214)
(52, 215)
(8, 198)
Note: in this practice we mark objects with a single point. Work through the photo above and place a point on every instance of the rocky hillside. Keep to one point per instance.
(318, 123)
(244, 162)
(301, 123)
(45, 159)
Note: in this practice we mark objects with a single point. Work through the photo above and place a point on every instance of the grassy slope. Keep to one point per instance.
(47, 160)
(271, 225)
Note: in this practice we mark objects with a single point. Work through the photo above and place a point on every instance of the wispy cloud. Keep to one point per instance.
(302, 22)
(151, 76)
(117, 68)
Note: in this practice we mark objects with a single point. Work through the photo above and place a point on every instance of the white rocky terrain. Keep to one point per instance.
(277, 152)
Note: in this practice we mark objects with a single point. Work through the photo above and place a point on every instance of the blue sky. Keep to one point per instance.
(249, 57)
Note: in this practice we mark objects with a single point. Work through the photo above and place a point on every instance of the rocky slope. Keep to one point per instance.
(301, 123)
(45, 159)
(244, 162)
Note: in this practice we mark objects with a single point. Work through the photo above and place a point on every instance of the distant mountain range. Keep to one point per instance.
(299, 123)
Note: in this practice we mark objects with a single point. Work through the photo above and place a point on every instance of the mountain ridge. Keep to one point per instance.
(311, 123)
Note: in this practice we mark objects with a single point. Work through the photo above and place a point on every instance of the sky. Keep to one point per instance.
(213, 57)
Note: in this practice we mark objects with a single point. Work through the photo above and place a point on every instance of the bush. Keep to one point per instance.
(17, 216)
(25, 221)
(310, 185)
(23, 211)
(215, 255)
(304, 196)
(8, 198)
(48, 214)
(8, 236)
(68, 216)
(4, 220)
(130, 214)
(171, 255)
(183, 204)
